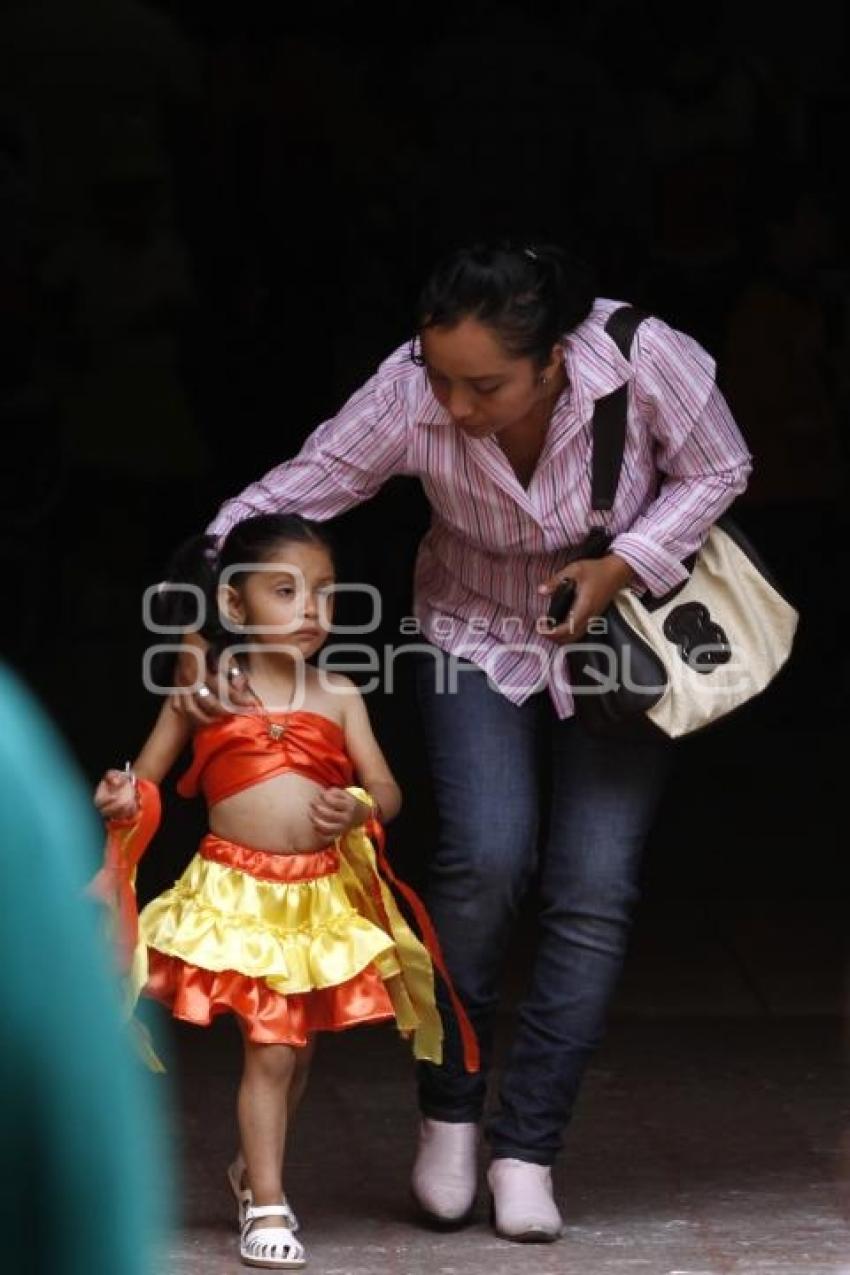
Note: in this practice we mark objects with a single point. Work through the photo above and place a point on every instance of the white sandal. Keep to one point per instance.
(272, 1247)
(244, 1196)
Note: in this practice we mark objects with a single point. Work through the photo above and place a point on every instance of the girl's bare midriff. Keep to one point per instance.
(273, 815)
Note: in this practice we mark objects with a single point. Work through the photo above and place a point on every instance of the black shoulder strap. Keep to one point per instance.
(609, 414)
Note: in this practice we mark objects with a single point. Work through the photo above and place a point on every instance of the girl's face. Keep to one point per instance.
(287, 600)
(484, 388)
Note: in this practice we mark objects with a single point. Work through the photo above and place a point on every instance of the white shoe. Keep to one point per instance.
(445, 1174)
(244, 1196)
(272, 1247)
(523, 1207)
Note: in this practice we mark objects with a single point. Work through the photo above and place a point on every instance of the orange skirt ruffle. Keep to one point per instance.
(269, 1018)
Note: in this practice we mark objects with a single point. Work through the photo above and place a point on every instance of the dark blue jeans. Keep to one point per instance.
(488, 758)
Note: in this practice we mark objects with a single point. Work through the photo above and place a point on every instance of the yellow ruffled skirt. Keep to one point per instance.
(289, 943)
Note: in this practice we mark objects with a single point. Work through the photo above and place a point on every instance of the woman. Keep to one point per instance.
(491, 408)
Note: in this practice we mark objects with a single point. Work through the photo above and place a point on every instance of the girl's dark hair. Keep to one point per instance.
(199, 562)
(529, 294)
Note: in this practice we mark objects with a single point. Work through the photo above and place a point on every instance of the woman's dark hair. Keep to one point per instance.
(199, 562)
(529, 294)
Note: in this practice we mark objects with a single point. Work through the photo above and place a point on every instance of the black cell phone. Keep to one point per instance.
(561, 601)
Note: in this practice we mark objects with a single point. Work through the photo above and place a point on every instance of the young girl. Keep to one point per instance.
(282, 917)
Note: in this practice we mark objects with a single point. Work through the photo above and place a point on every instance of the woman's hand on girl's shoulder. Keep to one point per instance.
(211, 693)
(115, 796)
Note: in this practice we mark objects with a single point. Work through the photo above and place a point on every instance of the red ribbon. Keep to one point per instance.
(126, 842)
(469, 1040)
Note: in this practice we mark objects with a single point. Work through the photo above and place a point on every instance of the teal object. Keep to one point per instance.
(84, 1173)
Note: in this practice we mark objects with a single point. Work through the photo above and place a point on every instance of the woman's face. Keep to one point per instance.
(484, 388)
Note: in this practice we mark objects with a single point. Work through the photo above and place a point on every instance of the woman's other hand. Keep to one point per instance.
(597, 581)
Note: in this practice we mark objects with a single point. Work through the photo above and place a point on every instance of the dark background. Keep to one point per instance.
(215, 219)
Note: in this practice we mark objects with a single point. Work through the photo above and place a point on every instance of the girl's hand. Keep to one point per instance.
(334, 812)
(597, 581)
(116, 796)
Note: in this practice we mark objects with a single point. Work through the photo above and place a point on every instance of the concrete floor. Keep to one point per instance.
(712, 1136)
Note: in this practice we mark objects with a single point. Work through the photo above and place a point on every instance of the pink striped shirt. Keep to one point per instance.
(492, 541)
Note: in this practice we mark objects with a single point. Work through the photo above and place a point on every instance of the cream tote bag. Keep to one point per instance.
(680, 662)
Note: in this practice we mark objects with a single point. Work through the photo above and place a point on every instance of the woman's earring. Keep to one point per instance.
(544, 379)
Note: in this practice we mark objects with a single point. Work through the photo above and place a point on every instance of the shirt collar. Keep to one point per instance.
(595, 367)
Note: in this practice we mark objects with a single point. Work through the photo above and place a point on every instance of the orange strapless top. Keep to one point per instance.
(240, 750)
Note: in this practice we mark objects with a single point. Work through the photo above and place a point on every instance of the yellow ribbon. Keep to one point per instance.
(412, 992)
